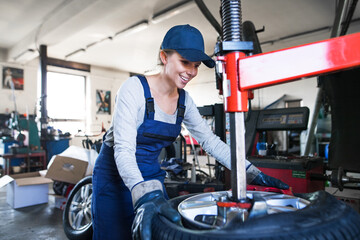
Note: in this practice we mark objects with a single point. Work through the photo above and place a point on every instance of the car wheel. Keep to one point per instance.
(319, 216)
(77, 213)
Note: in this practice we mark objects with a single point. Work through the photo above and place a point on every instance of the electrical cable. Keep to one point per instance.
(205, 11)
(349, 16)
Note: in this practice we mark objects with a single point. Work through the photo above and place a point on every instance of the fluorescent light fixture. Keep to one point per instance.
(172, 11)
(26, 56)
(77, 53)
(137, 27)
(107, 39)
(130, 30)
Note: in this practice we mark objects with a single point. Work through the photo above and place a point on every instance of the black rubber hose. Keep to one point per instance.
(231, 20)
(207, 14)
(348, 18)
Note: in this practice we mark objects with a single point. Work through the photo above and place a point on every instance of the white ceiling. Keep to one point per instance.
(65, 26)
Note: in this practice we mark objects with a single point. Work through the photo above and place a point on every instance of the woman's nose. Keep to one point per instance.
(192, 71)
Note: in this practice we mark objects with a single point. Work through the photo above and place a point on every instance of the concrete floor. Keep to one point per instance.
(39, 222)
(43, 221)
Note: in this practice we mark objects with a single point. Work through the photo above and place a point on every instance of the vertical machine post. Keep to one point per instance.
(235, 102)
(238, 156)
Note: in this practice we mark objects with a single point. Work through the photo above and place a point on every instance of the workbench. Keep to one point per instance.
(39, 163)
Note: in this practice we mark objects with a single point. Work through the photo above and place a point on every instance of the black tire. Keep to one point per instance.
(78, 206)
(326, 218)
(60, 188)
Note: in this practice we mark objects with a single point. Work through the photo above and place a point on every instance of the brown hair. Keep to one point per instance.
(167, 52)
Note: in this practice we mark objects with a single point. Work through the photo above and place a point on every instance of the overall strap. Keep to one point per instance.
(149, 106)
(181, 107)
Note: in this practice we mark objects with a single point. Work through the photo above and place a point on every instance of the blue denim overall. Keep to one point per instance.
(112, 208)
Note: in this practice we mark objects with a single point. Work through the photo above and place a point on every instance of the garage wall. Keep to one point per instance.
(103, 79)
(25, 99)
(100, 79)
(203, 88)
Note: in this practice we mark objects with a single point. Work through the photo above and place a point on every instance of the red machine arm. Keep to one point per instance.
(268, 69)
(300, 62)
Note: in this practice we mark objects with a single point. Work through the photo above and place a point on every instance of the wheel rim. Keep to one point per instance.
(80, 208)
(203, 210)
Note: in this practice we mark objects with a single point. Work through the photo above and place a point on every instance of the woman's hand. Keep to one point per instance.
(265, 180)
(146, 208)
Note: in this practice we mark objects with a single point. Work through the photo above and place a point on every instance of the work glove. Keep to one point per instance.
(265, 180)
(149, 201)
(255, 177)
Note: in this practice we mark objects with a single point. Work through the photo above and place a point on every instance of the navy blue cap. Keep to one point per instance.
(188, 42)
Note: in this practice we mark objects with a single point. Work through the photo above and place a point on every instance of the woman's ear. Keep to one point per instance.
(163, 57)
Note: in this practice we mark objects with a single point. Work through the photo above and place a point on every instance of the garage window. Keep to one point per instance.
(66, 101)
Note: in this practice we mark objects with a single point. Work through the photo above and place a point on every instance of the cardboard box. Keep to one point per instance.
(66, 169)
(25, 189)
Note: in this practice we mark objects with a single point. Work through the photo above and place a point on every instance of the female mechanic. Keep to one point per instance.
(127, 179)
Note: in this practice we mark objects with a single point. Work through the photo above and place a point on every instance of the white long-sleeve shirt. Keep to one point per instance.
(128, 115)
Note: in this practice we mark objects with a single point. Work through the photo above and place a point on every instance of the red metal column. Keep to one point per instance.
(235, 103)
(234, 99)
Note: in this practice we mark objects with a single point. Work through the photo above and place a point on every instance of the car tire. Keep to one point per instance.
(77, 213)
(326, 218)
(60, 188)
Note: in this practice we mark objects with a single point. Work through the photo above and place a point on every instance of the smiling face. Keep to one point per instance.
(177, 69)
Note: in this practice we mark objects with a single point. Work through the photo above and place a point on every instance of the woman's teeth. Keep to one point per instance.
(185, 79)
